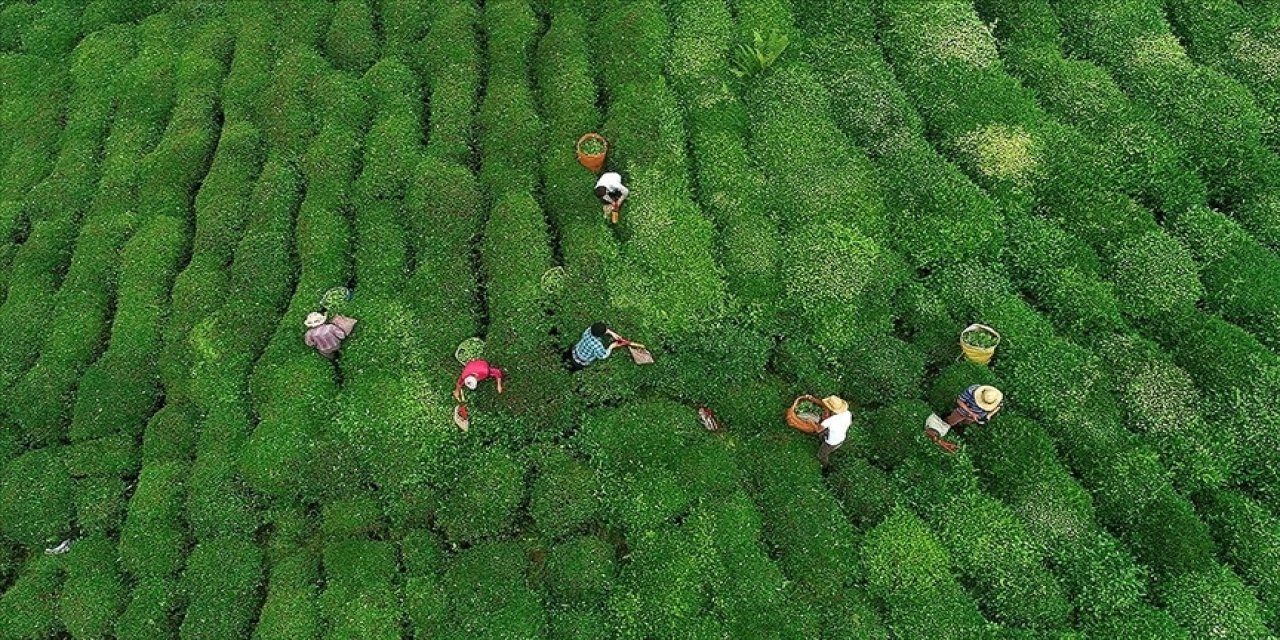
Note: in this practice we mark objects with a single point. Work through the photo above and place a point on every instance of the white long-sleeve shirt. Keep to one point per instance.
(837, 426)
(616, 192)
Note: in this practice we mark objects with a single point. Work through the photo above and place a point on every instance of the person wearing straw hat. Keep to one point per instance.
(326, 337)
(612, 192)
(834, 428)
(976, 405)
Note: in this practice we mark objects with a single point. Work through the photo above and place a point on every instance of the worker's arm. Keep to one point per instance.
(499, 381)
(949, 447)
(458, 394)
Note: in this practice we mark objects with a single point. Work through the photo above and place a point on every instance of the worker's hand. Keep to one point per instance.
(457, 394)
(499, 385)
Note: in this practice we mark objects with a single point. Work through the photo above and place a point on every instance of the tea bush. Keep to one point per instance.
(181, 181)
(93, 594)
(907, 575)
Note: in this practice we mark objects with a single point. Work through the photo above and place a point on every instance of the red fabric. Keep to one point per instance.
(482, 370)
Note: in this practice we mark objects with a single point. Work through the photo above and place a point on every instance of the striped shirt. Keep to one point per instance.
(589, 349)
(968, 406)
(326, 338)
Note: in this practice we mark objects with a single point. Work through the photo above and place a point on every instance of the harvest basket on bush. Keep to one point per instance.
(806, 414)
(592, 149)
(978, 343)
(468, 350)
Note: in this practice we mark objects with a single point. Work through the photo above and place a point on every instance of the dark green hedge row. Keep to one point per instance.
(823, 192)
(33, 121)
(1135, 496)
(1241, 277)
(869, 106)
(989, 548)
(488, 595)
(643, 481)
(1132, 143)
(1149, 164)
(1232, 371)
(813, 542)
(515, 250)
(291, 608)
(1212, 117)
(151, 610)
(93, 595)
(1248, 538)
(1159, 399)
(37, 505)
(361, 595)
(294, 393)
(730, 187)
(1022, 156)
(29, 608)
(567, 98)
(485, 501)
(908, 576)
(153, 542)
(1214, 601)
(451, 62)
(666, 288)
(563, 496)
(223, 581)
(1017, 463)
(60, 193)
(351, 42)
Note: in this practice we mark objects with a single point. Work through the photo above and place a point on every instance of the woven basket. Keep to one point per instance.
(976, 354)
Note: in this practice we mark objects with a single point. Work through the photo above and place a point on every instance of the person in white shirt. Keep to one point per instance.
(612, 192)
(834, 428)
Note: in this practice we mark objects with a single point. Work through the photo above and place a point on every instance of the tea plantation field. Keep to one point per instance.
(181, 180)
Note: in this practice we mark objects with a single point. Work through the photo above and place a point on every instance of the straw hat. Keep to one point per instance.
(988, 397)
(471, 382)
(314, 319)
(836, 404)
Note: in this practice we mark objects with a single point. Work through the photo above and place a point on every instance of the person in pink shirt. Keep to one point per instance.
(473, 373)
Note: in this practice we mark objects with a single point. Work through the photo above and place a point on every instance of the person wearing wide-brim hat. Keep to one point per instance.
(326, 337)
(977, 405)
(834, 427)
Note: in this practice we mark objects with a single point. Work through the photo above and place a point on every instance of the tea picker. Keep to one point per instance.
(612, 192)
(977, 405)
(326, 336)
(591, 348)
(829, 418)
(473, 373)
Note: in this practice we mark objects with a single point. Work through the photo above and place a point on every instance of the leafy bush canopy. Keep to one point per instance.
(823, 195)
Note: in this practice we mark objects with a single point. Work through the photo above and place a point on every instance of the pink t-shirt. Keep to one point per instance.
(481, 370)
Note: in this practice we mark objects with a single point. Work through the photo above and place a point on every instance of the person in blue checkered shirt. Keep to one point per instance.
(591, 347)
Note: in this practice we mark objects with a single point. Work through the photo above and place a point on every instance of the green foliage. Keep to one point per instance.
(29, 607)
(757, 57)
(563, 495)
(488, 596)
(485, 500)
(36, 506)
(150, 613)
(580, 570)
(1248, 539)
(93, 594)
(1213, 602)
(351, 43)
(291, 609)
(152, 543)
(360, 597)
(907, 575)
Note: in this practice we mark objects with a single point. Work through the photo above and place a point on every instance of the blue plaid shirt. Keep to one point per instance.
(589, 349)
